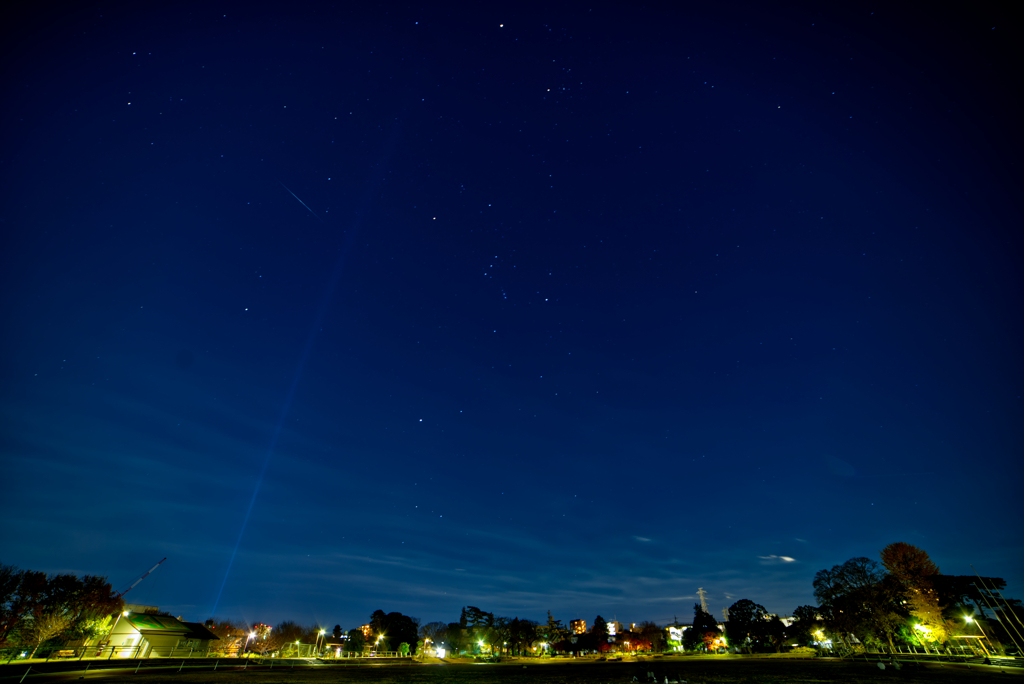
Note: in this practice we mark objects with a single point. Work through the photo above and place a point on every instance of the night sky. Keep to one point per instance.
(377, 306)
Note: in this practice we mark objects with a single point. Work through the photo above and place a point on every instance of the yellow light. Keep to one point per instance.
(968, 618)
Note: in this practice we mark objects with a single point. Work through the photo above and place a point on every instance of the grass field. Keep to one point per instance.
(723, 671)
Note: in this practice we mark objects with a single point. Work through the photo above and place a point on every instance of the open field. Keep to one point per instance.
(705, 671)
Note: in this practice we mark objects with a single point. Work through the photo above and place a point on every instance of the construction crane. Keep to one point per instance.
(140, 579)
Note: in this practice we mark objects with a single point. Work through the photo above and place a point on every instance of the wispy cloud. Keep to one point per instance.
(775, 560)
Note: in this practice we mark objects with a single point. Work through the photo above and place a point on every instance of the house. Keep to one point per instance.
(142, 635)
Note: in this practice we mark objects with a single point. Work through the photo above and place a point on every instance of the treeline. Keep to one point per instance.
(481, 632)
(904, 600)
(36, 607)
(388, 632)
(901, 600)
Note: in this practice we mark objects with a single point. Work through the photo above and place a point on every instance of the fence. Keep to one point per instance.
(138, 651)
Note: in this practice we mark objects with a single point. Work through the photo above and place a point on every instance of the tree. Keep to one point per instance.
(267, 639)
(909, 564)
(20, 595)
(806, 623)
(231, 637)
(775, 632)
(43, 627)
(746, 625)
(287, 633)
(403, 628)
(915, 572)
(393, 628)
(553, 631)
(87, 600)
(600, 629)
(703, 631)
(500, 633)
(377, 623)
(962, 594)
(522, 635)
(337, 632)
(632, 642)
(84, 602)
(478, 625)
(653, 634)
(434, 631)
(356, 641)
(455, 637)
(858, 598)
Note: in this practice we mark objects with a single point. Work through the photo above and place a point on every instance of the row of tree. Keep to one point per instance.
(36, 607)
(903, 600)
(906, 599)
(479, 631)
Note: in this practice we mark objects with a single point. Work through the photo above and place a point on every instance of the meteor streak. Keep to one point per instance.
(301, 202)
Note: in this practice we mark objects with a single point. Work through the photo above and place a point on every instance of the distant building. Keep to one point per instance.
(578, 626)
(614, 627)
(367, 631)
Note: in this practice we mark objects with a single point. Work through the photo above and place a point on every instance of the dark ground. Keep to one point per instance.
(693, 671)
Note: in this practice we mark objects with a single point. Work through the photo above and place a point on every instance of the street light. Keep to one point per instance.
(322, 632)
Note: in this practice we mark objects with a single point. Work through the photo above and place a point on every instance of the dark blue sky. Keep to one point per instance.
(598, 305)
